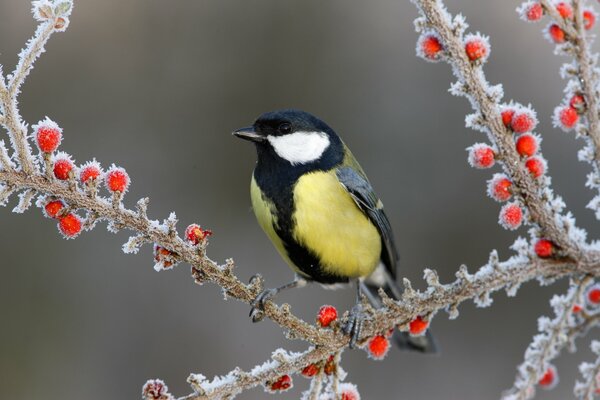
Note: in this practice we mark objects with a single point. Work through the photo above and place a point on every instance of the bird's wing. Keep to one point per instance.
(365, 198)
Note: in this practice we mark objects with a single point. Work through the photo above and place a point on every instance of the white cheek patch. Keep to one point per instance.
(300, 147)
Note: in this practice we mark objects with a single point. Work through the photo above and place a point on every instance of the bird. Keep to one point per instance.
(315, 203)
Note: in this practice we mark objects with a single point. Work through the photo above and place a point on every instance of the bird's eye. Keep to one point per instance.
(285, 128)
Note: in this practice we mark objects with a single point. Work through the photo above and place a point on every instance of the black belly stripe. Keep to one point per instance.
(276, 179)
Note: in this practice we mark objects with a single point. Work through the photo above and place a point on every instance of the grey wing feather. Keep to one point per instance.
(361, 191)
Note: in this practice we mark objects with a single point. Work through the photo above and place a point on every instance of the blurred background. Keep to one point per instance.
(157, 87)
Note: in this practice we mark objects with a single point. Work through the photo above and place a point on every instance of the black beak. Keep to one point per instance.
(248, 133)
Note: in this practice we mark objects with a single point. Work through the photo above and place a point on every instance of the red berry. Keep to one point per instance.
(507, 116)
(534, 12)
(70, 225)
(476, 48)
(53, 208)
(117, 180)
(418, 326)
(544, 248)
(564, 9)
(589, 19)
(549, 379)
(511, 216)
(536, 166)
(378, 347)
(499, 187)
(90, 172)
(327, 314)
(527, 145)
(577, 309)
(430, 47)
(592, 295)
(523, 121)
(282, 384)
(164, 258)
(348, 392)
(310, 370)
(557, 35)
(62, 168)
(481, 156)
(577, 102)
(48, 136)
(155, 389)
(330, 366)
(566, 117)
(194, 234)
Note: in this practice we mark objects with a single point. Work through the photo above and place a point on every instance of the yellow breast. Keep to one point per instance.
(330, 224)
(266, 216)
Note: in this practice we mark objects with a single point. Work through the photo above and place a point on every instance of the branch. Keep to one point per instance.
(591, 373)
(534, 193)
(63, 189)
(553, 337)
(53, 18)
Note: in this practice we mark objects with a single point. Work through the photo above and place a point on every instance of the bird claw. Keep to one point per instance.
(353, 325)
(257, 313)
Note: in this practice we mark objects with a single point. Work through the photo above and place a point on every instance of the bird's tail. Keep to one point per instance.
(404, 340)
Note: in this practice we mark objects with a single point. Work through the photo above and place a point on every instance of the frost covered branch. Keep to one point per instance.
(557, 248)
(555, 334)
(509, 128)
(591, 373)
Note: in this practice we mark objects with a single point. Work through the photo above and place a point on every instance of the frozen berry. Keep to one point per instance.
(476, 47)
(536, 166)
(511, 216)
(311, 370)
(544, 248)
(549, 379)
(418, 326)
(327, 314)
(430, 47)
(70, 225)
(481, 156)
(194, 234)
(53, 208)
(592, 295)
(48, 136)
(62, 168)
(557, 35)
(117, 180)
(499, 188)
(523, 121)
(378, 347)
(589, 19)
(564, 9)
(282, 384)
(526, 145)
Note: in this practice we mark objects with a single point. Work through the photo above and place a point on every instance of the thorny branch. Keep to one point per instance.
(553, 338)
(33, 176)
(591, 372)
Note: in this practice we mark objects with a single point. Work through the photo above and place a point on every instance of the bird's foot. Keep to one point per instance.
(257, 313)
(353, 325)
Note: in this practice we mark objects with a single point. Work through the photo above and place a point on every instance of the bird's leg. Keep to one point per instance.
(258, 305)
(353, 326)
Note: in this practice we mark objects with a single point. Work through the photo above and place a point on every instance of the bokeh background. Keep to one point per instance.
(157, 86)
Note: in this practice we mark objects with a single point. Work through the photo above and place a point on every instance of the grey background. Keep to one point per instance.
(156, 86)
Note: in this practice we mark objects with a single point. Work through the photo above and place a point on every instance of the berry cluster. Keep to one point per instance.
(61, 167)
(88, 177)
(519, 121)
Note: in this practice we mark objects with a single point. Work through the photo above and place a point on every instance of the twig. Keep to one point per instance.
(591, 372)
(547, 345)
(485, 100)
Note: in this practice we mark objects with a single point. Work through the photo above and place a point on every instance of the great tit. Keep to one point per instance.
(315, 203)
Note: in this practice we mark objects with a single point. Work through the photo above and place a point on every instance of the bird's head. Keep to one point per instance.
(294, 136)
